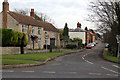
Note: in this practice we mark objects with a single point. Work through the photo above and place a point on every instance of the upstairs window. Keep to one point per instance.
(24, 29)
(39, 30)
(33, 30)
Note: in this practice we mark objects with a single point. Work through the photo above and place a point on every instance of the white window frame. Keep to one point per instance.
(39, 42)
(46, 41)
(39, 30)
(24, 28)
(33, 29)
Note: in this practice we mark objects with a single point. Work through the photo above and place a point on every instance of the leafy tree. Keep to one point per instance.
(65, 32)
(13, 39)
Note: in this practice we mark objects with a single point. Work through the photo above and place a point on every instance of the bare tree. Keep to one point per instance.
(38, 15)
(106, 15)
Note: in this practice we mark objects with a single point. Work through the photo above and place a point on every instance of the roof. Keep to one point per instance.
(78, 30)
(28, 20)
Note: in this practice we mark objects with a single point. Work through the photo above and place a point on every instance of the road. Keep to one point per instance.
(85, 64)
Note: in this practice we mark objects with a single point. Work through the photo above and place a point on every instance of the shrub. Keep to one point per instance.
(48, 46)
(12, 38)
(71, 46)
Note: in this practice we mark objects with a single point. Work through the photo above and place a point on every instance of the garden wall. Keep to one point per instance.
(10, 50)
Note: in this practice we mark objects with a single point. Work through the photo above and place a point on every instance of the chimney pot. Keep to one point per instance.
(5, 0)
(32, 14)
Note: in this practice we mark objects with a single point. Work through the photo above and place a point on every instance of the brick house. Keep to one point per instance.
(36, 30)
(90, 37)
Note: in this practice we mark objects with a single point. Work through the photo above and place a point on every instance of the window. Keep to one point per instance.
(24, 29)
(39, 41)
(39, 30)
(33, 30)
(46, 41)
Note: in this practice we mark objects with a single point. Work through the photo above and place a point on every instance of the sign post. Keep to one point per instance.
(46, 41)
(118, 41)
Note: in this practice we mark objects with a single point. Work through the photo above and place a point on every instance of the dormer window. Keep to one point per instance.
(33, 30)
(24, 29)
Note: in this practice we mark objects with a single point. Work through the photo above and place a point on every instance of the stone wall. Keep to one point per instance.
(11, 50)
(1, 20)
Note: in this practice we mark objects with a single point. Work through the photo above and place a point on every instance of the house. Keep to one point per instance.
(90, 36)
(38, 33)
(86, 36)
(78, 33)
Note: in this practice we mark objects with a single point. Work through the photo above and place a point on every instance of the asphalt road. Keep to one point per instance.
(85, 64)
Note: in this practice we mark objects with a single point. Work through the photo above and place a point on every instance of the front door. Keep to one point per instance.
(52, 42)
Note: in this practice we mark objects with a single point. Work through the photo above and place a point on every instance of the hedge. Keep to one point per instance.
(13, 38)
(71, 46)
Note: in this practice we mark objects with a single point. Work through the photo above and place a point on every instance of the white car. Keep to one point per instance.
(92, 44)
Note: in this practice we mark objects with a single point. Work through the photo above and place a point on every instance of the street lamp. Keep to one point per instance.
(118, 41)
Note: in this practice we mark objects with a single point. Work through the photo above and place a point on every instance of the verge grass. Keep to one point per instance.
(111, 58)
(28, 58)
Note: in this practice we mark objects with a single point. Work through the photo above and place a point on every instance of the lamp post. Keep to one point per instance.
(118, 41)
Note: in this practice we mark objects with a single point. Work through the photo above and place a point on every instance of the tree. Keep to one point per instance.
(86, 28)
(106, 15)
(38, 15)
(65, 32)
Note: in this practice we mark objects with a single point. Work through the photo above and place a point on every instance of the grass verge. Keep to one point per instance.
(27, 58)
(110, 58)
(13, 62)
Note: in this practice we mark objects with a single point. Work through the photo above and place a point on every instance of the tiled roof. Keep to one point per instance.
(78, 30)
(28, 20)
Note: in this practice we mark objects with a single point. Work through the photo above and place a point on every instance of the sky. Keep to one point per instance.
(61, 11)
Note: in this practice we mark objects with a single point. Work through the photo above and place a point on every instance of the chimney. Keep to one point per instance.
(78, 25)
(5, 5)
(32, 14)
(5, 10)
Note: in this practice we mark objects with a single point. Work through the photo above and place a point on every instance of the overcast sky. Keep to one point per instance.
(61, 11)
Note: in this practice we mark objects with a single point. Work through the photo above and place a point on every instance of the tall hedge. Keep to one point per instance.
(12, 38)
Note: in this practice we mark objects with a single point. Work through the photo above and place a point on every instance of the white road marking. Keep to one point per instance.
(28, 71)
(108, 74)
(116, 66)
(86, 60)
(95, 73)
(7, 71)
(110, 70)
(71, 72)
(51, 72)
(111, 74)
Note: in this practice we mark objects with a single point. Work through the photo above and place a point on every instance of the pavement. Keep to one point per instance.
(85, 64)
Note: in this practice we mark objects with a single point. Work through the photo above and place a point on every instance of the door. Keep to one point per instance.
(52, 42)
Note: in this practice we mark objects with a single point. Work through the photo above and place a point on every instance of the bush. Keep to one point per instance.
(13, 38)
(71, 46)
(48, 46)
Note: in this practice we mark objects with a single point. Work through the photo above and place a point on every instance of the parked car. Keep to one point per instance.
(96, 42)
(107, 46)
(89, 46)
(92, 44)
